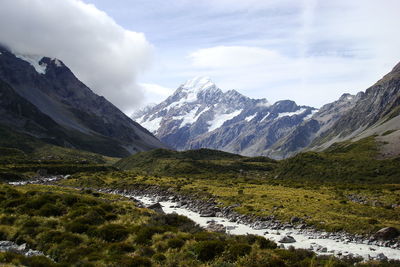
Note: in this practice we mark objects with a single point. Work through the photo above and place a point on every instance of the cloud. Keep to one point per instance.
(153, 93)
(232, 57)
(260, 72)
(104, 55)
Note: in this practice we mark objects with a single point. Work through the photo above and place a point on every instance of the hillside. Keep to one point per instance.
(41, 97)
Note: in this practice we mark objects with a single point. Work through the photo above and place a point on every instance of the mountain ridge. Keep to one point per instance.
(85, 120)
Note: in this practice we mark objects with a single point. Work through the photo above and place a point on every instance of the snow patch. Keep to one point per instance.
(265, 117)
(249, 118)
(219, 120)
(194, 86)
(57, 62)
(309, 116)
(191, 117)
(34, 61)
(152, 125)
(289, 114)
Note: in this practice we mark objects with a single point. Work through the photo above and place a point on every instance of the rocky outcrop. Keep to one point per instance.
(387, 233)
(9, 246)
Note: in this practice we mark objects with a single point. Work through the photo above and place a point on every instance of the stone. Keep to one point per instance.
(216, 227)
(156, 207)
(287, 239)
(381, 257)
(386, 233)
(207, 214)
(294, 220)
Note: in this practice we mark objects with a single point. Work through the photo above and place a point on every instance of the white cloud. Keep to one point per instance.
(105, 56)
(260, 72)
(232, 57)
(153, 94)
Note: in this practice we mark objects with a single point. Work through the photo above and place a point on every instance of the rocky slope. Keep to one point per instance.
(200, 115)
(373, 112)
(42, 97)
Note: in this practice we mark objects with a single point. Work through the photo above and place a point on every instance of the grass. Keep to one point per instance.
(324, 206)
(91, 229)
(316, 187)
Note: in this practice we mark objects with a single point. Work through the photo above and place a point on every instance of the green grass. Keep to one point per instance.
(313, 186)
(91, 229)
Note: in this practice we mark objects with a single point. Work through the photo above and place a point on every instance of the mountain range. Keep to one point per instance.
(42, 98)
(200, 115)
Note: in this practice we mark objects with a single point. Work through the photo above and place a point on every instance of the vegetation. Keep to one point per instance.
(79, 228)
(344, 188)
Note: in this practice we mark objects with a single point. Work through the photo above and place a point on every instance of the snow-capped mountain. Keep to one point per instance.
(200, 115)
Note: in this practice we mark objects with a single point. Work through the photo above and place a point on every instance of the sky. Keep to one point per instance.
(136, 52)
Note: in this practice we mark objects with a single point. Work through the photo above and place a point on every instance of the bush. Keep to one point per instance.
(237, 250)
(136, 261)
(174, 220)
(46, 239)
(77, 227)
(175, 243)
(112, 233)
(144, 234)
(159, 257)
(121, 248)
(208, 250)
(51, 210)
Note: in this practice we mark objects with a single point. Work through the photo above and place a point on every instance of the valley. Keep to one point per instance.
(231, 181)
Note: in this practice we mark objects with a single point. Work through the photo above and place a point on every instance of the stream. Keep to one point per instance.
(322, 244)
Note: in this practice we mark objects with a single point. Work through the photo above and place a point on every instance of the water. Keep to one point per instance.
(333, 247)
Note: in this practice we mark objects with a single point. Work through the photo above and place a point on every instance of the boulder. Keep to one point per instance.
(381, 257)
(287, 239)
(216, 227)
(387, 233)
(207, 214)
(156, 207)
(294, 220)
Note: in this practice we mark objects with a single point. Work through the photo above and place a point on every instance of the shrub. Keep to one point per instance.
(159, 257)
(136, 261)
(46, 239)
(7, 220)
(237, 250)
(51, 210)
(174, 220)
(175, 243)
(112, 233)
(120, 248)
(208, 250)
(144, 235)
(77, 227)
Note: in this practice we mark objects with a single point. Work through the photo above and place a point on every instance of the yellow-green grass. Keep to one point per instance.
(85, 228)
(324, 206)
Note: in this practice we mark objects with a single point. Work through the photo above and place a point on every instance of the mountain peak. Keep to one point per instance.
(198, 84)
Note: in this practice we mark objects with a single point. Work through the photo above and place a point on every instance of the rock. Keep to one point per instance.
(216, 227)
(287, 239)
(386, 233)
(381, 257)
(294, 220)
(207, 214)
(156, 207)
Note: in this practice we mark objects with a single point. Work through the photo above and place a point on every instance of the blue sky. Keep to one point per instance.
(310, 51)
(140, 51)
